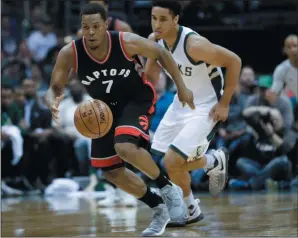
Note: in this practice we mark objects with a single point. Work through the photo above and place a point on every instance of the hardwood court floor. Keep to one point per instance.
(232, 214)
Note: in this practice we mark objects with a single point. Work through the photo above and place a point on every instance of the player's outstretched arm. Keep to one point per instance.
(201, 49)
(59, 79)
(152, 69)
(137, 45)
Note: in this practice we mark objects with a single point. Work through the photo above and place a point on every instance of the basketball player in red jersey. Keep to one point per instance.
(107, 64)
(114, 24)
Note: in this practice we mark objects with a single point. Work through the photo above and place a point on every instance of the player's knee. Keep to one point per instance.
(173, 161)
(113, 174)
(126, 151)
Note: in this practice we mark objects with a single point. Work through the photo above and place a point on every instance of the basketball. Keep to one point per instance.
(93, 118)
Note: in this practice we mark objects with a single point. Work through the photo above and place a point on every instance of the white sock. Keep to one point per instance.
(189, 200)
(210, 160)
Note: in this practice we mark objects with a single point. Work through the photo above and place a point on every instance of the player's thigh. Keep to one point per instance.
(193, 140)
(133, 125)
(166, 132)
(103, 154)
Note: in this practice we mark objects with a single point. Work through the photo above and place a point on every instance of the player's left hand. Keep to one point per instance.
(219, 112)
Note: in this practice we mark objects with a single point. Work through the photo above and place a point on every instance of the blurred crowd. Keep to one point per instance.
(261, 134)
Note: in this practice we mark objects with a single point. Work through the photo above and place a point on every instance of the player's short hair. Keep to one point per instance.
(105, 1)
(175, 7)
(94, 8)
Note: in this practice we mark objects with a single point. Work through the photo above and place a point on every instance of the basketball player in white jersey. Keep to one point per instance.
(285, 76)
(183, 136)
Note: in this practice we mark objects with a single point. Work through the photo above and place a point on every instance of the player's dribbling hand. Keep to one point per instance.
(54, 108)
(186, 96)
(219, 112)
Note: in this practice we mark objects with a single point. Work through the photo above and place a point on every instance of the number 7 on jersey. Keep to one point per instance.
(110, 83)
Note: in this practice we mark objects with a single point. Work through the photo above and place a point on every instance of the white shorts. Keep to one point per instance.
(185, 131)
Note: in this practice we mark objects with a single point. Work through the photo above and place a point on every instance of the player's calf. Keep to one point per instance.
(126, 180)
(170, 193)
(174, 166)
(138, 157)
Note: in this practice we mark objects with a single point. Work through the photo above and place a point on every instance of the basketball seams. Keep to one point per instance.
(96, 118)
(108, 117)
(85, 123)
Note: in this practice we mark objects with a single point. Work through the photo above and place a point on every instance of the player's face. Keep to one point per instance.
(247, 76)
(94, 30)
(162, 22)
(291, 47)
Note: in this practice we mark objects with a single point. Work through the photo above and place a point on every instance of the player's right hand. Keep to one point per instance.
(54, 108)
(186, 96)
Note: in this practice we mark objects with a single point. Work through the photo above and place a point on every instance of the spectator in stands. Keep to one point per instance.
(285, 76)
(19, 98)
(42, 40)
(38, 76)
(36, 18)
(11, 140)
(10, 118)
(67, 129)
(36, 129)
(9, 42)
(232, 133)
(13, 71)
(9, 109)
(247, 82)
(24, 54)
(265, 154)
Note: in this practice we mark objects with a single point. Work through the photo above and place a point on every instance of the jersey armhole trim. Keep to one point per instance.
(122, 47)
(75, 58)
(185, 51)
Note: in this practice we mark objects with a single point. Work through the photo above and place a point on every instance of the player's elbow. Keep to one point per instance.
(233, 64)
(236, 62)
(233, 60)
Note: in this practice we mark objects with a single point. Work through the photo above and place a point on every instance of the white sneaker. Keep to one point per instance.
(218, 176)
(125, 199)
(194, 215)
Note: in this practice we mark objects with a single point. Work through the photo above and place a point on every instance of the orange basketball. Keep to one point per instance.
(93, 118)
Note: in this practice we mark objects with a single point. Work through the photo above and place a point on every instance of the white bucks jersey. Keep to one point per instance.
(205, 80)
